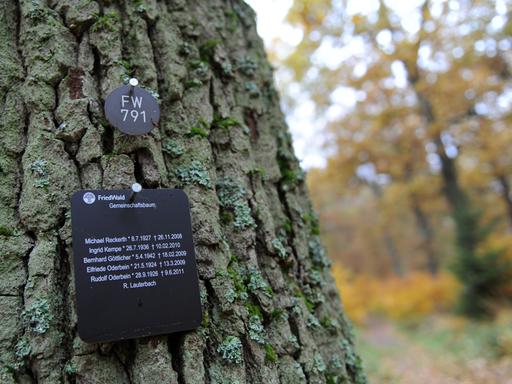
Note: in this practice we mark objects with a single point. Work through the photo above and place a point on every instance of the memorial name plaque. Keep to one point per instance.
(134, 262)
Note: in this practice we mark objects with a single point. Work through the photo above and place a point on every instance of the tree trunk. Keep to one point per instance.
(507, 197)
(427, 236)
(389, 243)
(270, 307)
(466, 219)
(464, 216)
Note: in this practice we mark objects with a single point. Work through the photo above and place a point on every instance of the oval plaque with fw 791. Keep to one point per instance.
(132, 110)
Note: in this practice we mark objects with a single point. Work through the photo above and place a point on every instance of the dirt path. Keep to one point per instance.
(401, 360)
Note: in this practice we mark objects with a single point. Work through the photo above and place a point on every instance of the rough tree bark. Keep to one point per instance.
(271, 310)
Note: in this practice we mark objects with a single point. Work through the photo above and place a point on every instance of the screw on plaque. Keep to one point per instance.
(136, 188)
(133, 83)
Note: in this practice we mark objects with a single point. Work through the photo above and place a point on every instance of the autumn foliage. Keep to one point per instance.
(406, 299)
(415, 103)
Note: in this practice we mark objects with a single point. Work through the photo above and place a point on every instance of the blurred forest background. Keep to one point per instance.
(412, 101)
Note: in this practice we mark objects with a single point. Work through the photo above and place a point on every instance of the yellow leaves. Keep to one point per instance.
(407, 53)
(425, 12)
(436, 82)
(425, 187)
(405, 299)
(497, 241)
(383, 21)
(309, 14)
(299, 62)
(358, 20)
(356, 293)
(507, 29)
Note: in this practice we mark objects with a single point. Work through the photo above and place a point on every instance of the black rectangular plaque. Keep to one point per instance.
(134, 262)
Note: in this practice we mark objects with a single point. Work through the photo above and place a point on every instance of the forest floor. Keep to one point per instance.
(440, 349)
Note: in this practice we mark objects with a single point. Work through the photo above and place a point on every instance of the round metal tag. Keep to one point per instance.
(132, 110)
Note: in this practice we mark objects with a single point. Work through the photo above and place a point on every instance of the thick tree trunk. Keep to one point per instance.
(271, 310)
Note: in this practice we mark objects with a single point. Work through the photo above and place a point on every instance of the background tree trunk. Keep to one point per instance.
(389, 243)
(507, 196)
(427, 236)
(222, 138)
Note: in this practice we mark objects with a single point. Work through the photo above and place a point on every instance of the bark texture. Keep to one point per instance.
(271, 310)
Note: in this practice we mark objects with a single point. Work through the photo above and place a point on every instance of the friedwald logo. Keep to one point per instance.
(89, 198)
